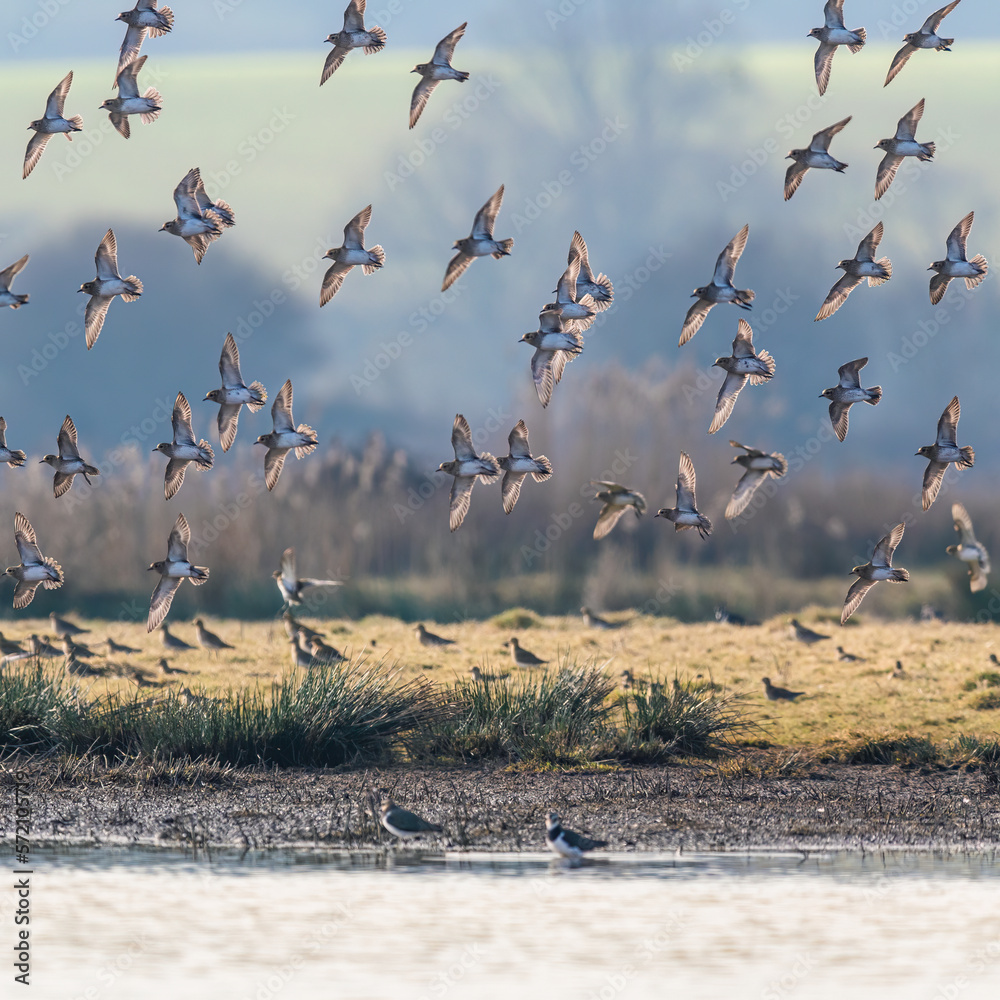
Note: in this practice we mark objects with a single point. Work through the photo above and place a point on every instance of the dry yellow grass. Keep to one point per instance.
(935, 697)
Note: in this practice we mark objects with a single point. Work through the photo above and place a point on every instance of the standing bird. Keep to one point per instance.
(926, 38)
(518, 464)
(68, 462)
(554, 345)
(51, 123)
(12, 456)
(743, 364)
(34, 568)
(846, 657)
(432, 73)
(121, 648)
(815, 155)
(234, 393)
(522, 657)
(295, 589)
(862, 265)
(774, 693)
(171, 641)
(593, 620)
(400, 822)
(142, 19)
(128, 102)
(479, 243)
(943, 452)
(324, 653)
(972, 552)
(832, 34)
(199, 220)
(759, 465)
(7, 275)
(686, 515)
(616, 499)
(349, 255)
(467, 467)
(846, 393)
(598, 287)
(209, 640)
(354, 35)
(183, 450)
(426, 638)
(105, 287)
(61, 627)
(285, 437)
(880, 568)
(173, 571)
(567, 843)
(903, 143)
(806, 635)
(956, 264)
(720, 289)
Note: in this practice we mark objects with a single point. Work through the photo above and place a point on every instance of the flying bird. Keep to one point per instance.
(686, 515)
(555, 345)
(903, 143)
(354, 35)
(295, 589)
(199, 220)
(433, 72)
(128, 102)
(565, 842)
(173, 571)
(68, 462)
(598, 287)
(846, 393)
(862, 265)
(51, 123)
(832, 34)
(7, 275)
(467, 467)
(234, 393)
(972, 552)
(143, 19)
(518, 463)
(956, 264)
(34, 568)
(880, 568)
(720, 289)
(759, 466)
(184, 449)
(576, 313)
(349, 255)
(479, 243)
(285, 437)
(926, 38)
(943, 452)
(105, 287)
(616, 499)
(815, 155)
(12, 456)
(743, 364)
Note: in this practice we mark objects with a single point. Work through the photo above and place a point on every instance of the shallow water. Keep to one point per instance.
(148, 924)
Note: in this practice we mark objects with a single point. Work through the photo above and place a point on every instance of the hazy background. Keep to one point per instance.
(656, 132)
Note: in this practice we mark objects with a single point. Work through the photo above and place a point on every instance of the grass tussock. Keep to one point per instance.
(516, 619)
(882, 748)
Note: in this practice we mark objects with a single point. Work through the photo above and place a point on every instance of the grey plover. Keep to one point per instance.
(518, 463)
(466, 468)
(804, 634)
(773, 693)
(401, 822)
(301, 657)
(105, 287)
(816, 156)
(198, 226)
(846, 657)
(832, 34)
(878, 569)
(846, 393)
(354, 35)
(479, 243)
(143, 19)
(426, 638)
(352, 254)
(719, 289)
(12, 456)
(75, 650)
(324, 653)
(971, 551)
(34, 568)
(62, 627)
(293, 625)
(41, 648)
(862, 265)
(119, 648)
(686, 515)
(943, 452)
(956, 264)
(598, 287)
(522, 657)
(433, 72)
(285, 437)
(68, 462)
(576, 311)
(167, 669)
(209, 640)
(744, 363)
(926, 38)
(565, 842)
(234, 393)
(7, 275)
(902, 144)
(51, 123)
(616, 499)
(593, 620)
(171, 641)
(128, 102)
(759, 466)
(173, 571)
(555, 345)
(295, 589)
(183, 450)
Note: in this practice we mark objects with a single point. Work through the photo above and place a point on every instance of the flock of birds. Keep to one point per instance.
(580, 294)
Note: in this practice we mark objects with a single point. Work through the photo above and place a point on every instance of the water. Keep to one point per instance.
(149, 924)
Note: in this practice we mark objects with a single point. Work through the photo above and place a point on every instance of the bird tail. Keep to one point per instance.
(968, 459)
(305, 449)
(782, 465)
(168, 15)
(505, 248)
(77, 122)
(17, 459)
(874, 395)
(744, 296)
(489, 477)
(53, 584)
(201, 575)
(378, 40)
(462, 76)
(153, 95)
(945, 45)
(887, 265)
(841, 167)
(768, 363)
(860, 45)
(545, 470)
(927, 150)
(91, 470)
(899, 576)
(377, 257)
(981, 262)
(201, 463)
(223, 213)
(604, 294)
(21, 299)
(135, 289)
(704, 526)
(261, 393)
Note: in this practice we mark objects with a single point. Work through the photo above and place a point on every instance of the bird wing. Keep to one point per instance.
(127, 82)
(173, 478)
(693, 320)
(578, 248)
(978, 577)
(899, 60)
(750, 451)
(947, 428)
(461, 439)
(185, 194)
(229, 417)
(607, 519)
(421, 95)
(854, 598)
(959, 237)
(332, 281)
(24, 594)
(161, 599)
(822, 63)
(517, 441)
(177, 542)
(793, 178)
(131, 45)
(837, 296)
(745, 489)
(461, 497)
(963, 524)
(743, 343)
(868, 246)
(274, 462)
(886, 172)
(445, 49)
(180, 420)
(334, 60)
(66, 441)
(850, 374)
(542, 374)
(354, 231)
(686, 484)
(281, 409)
(840, 417)
(932, 23)
(566, 288)
(57, 99)
(821, 140)
(731, 387)
(456, 268)
(510, 489)
(8, 274)
(938, 286)
(486, 217)
(833, 13)
(289, 572)
(907, 125)
(882, 556)
(93, 319)
(725, 266)
(27, 544)
(36, 146)
(106, 257)
(933, 477)
(229, 364)
(354, 16)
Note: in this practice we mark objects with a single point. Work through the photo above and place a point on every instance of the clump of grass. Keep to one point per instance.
(516, 619)
(986, 701)
(882, 748)
(975, 752)
(30, 703)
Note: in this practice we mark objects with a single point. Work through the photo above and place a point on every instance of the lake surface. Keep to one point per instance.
(146, 924)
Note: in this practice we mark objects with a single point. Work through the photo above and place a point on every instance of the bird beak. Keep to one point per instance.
(414, 70)
(930, 269)
(164, 226)
(524, 338)
(788, 157)
(207, 396)
(80, 289)
(822, 394)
